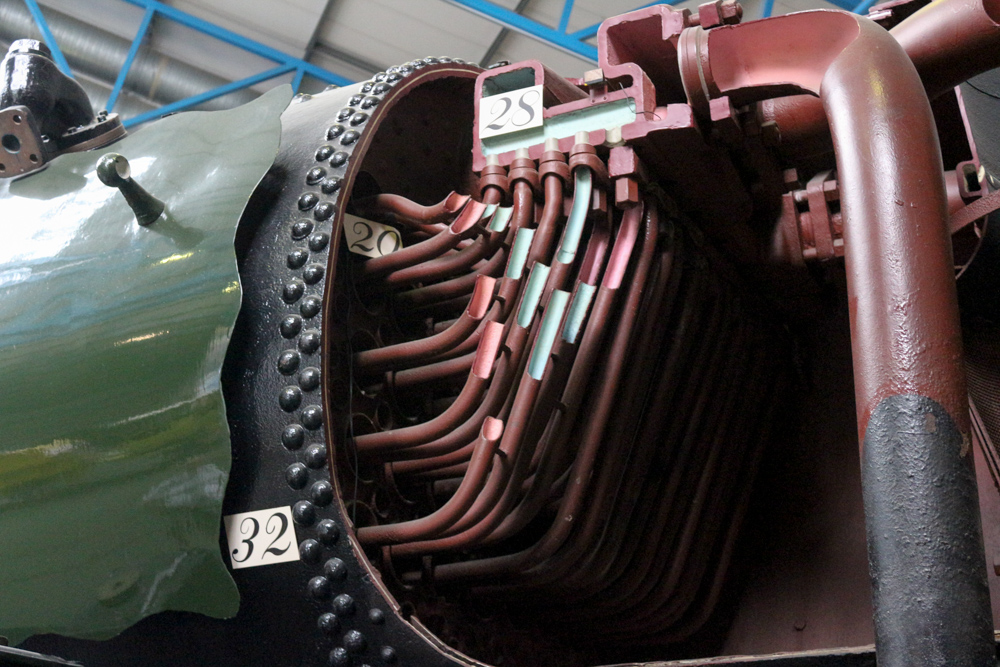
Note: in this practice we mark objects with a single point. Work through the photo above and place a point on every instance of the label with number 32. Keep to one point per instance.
(510, 112)
(263, 537)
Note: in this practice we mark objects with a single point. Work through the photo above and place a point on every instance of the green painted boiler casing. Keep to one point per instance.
(114, 445)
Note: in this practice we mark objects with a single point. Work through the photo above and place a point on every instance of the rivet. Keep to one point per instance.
(311, 417)
(297, 476)
(304, 513)
(380, 76)
(355, 100)
(328, 531)
(335, 569)
(323, 153)
(381, 88)
(319, 588)
(309, 379)
(302, 229)
(328, 623)
(367, 88)
(339, 159)
(392, 70)
(388, 654)
(344, 113)
(315, 456)
(431, 61)
(344, 605)
(307, 201)
(297, 258)
(323, 211)
(321, 493)
(375, 615)
(369, 102)
(290, 398)
(394, 77)
(339, 657)
(358, 118)
(319, 241)
(291, 326)
(288, 362)
(293, 290)
(355, 642)
(310, 550)
(444, 59)
(310, 306)
(330, 185)
(309, 341)
(293, 437)
(315, 175)
(352, 136)
(335, 131)
(313, 273)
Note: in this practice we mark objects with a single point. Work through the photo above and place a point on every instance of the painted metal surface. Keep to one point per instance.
(115, 451)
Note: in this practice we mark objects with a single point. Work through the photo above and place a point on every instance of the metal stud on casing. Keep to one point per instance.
(114, 171)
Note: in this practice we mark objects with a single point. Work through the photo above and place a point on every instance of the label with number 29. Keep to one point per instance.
(510, 112)
(263, 537)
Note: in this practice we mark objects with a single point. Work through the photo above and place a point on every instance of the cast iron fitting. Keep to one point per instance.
(494, 176)
(523, 169)
(554, 162)
(585, 155)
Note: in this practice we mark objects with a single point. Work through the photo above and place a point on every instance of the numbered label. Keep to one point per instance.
(371, 239)
(263, 537)
(510, 112)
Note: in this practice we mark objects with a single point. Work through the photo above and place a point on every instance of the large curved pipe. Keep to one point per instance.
(949, 41)
(925, 543)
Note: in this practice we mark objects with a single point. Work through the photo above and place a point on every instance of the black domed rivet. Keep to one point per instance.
(431, 60)
(297, 476)
(339, 657)
(381, 88)
(328, 623)
(328, 531)
(321, 493)
(375, 615)
(379, 76)
(355, 100)
(289, 398)
(315, 175)
(302, 229)
(358, 118)
(369, 102)
(309, 379)
(335, 569)
(339, 159)
(319, 588)
(334, 131)
(309, 341)
(323, 211)
(313, 273)
(315, 456)
(310, 306)
(288, 362)
(310, 550)
(330, 185)
(297, 258)
(367, 88)
(311, 417)
(388, 654)
(392, 70)
(319, 241)
(323, 153)
(304, 513)
(344, 605)
(355, 642)
(293, 437)
(291, 326)
(293, 290)
(352, 136)
(394, 77)
(344, 113)
(307, 201)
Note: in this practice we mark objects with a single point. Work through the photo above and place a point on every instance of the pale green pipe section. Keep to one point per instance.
(501, 218)
(578, 312)
(519, 252)
(547, 333)
(532, 294)
(577, 216)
